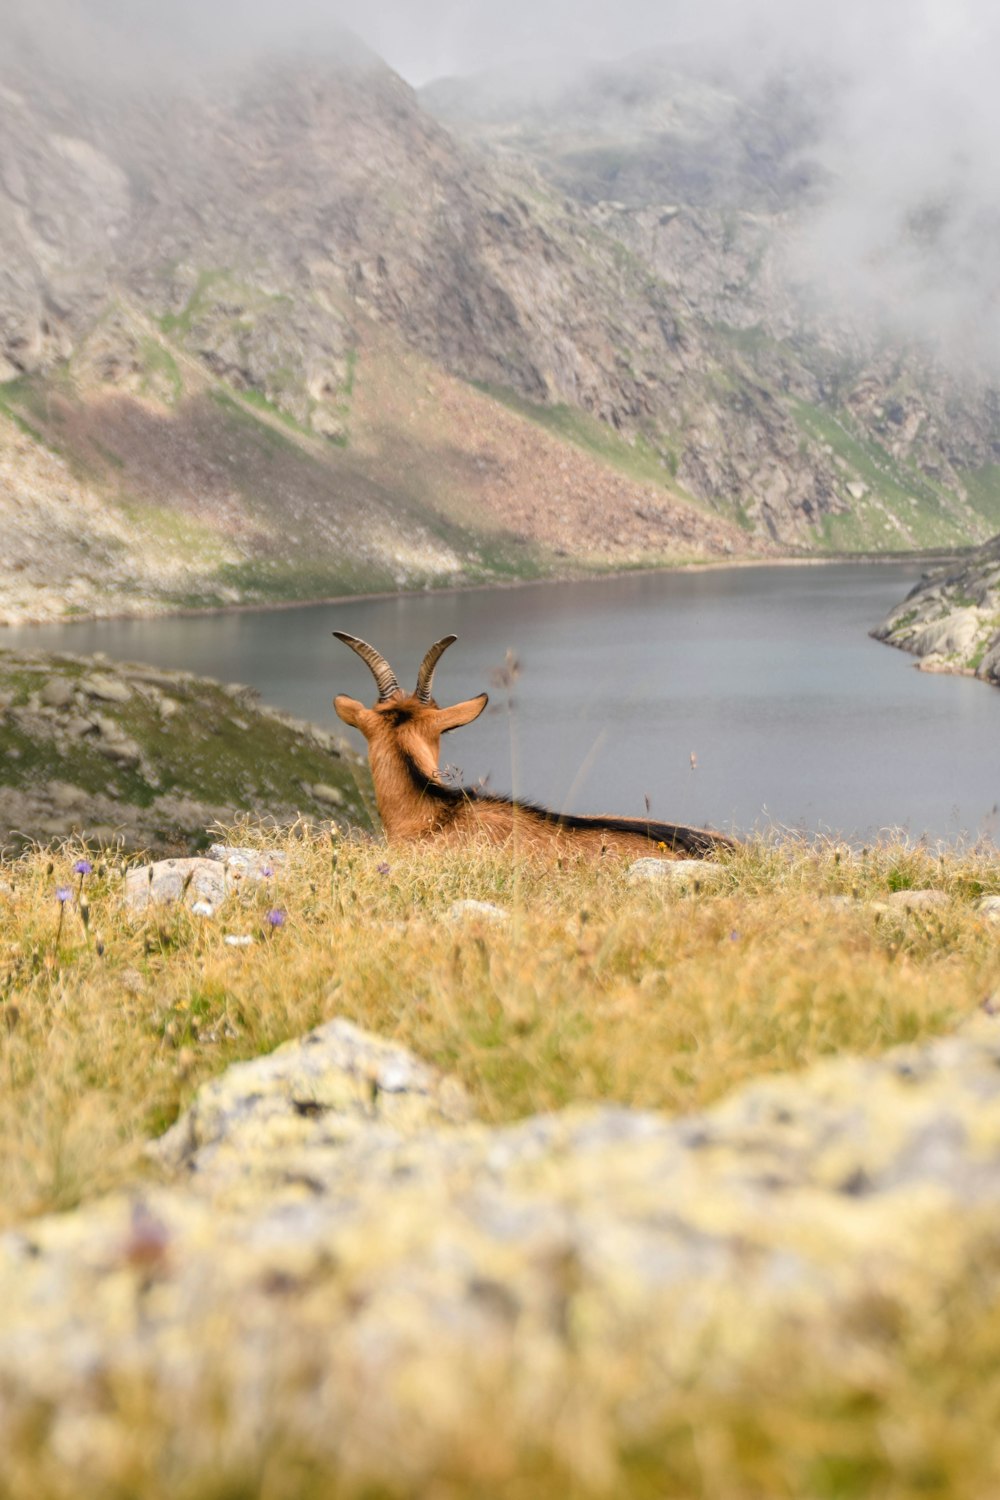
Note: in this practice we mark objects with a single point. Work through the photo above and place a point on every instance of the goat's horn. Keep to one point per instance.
(383, 674)
(426, 674)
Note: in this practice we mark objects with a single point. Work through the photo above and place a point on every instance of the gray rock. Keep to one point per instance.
(463, 911)
(63, 794)
(989, 907)
(679, 874)
(58, 692)
(331, 795)
(122, 750)
(250, 863)
(916, 900)
(105, 689)
(306, 1091)
(171, 879)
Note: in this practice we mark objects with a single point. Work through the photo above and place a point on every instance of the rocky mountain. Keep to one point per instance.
(280, 333)
(951, 620)
(243, 322)
(819, 426)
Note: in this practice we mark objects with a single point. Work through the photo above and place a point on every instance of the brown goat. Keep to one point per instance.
(404, 732)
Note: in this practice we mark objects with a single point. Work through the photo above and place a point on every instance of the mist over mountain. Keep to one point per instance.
(307, 331)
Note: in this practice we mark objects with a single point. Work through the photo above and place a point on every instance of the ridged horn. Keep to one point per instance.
(426, 674)
(383, 674)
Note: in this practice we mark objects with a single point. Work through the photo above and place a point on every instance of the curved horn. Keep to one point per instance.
(383, 674)
(426, 674)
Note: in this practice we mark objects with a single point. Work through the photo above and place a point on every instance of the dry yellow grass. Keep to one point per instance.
(593, 989)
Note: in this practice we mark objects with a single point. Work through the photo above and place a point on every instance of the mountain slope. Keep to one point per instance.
(716, 185)
(278, 333)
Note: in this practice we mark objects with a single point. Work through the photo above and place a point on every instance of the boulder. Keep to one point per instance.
(58, 692)
(173, 879)
(336, 1260)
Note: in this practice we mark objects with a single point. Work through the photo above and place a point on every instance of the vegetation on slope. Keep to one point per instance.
(132, 755)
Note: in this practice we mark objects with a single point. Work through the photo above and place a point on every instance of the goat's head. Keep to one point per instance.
(411, 723)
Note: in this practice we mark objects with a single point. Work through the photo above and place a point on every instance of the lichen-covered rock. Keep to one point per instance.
(339, 1268)
(305, 1098)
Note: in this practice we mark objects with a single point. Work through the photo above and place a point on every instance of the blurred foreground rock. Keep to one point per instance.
(342, 1266)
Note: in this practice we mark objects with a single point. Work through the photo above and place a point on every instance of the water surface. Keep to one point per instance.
(765, 675)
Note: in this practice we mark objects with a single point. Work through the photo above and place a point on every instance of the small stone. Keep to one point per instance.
(989, 907)
(106, 689)
(238, 940)
(202, 909)
(459, 911)
(916, 900)
(681, 874)
(58, 692)
(64, 795)
(252, 864)
(125, 751)
(331, 795)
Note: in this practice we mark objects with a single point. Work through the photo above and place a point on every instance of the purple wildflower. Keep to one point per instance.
(266, 871)
(383, 869)
(276, 917)
(63, 894)
(82, 867)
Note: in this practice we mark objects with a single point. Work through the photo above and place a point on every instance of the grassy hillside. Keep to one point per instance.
(596, 990)
(126, 754)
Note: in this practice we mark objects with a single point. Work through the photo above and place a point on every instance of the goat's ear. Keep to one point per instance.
(354, 713)
(459, 714)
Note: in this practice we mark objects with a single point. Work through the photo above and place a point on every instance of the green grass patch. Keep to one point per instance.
(180, 323)
(15, 394)
(160, 362)
(894, 486)
(983, 489)
(257, 399)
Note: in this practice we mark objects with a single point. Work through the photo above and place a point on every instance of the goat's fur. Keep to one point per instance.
(404, 732)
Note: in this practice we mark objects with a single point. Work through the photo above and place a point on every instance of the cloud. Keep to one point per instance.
(908, 129)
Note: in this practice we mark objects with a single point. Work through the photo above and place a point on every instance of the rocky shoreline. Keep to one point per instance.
(951, 620)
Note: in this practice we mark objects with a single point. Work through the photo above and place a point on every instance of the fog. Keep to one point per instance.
(908, 136)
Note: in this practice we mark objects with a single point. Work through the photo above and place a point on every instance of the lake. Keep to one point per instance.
(765, 676)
